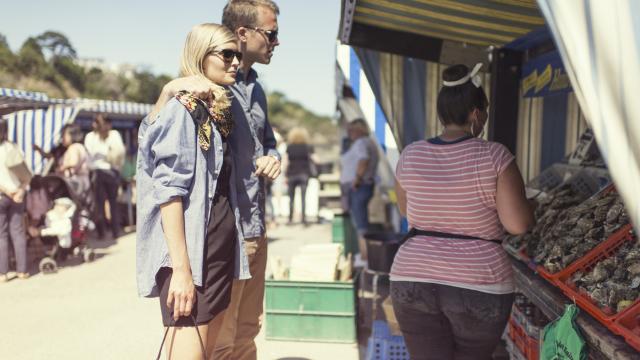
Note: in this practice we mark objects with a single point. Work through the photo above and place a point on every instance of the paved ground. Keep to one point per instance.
(91, 311)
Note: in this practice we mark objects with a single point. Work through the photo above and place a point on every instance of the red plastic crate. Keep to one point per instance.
(628, 325)
(585, 264)
(554, 278)
(528, 346)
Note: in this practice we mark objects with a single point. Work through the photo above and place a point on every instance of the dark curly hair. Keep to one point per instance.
(455, 103)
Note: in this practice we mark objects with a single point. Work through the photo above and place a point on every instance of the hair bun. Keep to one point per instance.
(455, 72)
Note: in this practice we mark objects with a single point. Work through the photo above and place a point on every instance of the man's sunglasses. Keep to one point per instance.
(272, 35)
(228, 54)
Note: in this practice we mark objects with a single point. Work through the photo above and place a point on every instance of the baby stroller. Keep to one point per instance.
(44, 192)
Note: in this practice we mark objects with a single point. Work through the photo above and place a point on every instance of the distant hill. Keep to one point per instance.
(49, 63)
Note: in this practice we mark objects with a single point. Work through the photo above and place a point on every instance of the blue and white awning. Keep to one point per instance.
(12, 100)
(42, 124)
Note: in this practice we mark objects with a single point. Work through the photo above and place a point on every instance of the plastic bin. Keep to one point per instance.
(587, 185)
(384, 346)
(311, 311)
(528, 346)
(628, 325)
(381, 250)
(553, 176)
(587, 263)
(344, 233)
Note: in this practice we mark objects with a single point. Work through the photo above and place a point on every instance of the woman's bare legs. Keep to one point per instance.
(183, 343)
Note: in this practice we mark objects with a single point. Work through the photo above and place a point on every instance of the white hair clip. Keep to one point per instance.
(473, 75)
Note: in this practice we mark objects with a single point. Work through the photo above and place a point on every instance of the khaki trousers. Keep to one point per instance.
(243, 318)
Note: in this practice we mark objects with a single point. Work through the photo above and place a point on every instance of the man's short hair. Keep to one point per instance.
(238, 13)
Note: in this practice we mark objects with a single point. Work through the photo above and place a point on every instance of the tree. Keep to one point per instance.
(8, 60)
(67, 68)
(57, 44)
(31, 61)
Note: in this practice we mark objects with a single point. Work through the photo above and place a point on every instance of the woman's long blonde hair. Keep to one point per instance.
(202, 40)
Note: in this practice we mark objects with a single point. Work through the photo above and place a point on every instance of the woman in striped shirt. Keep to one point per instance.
(452, 288)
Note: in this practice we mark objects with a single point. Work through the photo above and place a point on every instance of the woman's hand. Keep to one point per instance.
(182, 293)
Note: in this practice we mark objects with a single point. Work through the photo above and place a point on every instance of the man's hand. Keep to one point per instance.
(356, 182)
(198, 85)
(33, 231)
(18, 196)
(268, 166)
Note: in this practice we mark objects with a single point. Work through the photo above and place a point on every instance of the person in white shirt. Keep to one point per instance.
(106, 157)
(12, 192)
(359, 165)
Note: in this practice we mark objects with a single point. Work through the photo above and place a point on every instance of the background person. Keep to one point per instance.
(12, 210)
(298, 171)
(74, 164)
(106, 153)
(359, 165)
(452, 296)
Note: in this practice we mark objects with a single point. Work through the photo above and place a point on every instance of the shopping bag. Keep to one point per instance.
(562, 339)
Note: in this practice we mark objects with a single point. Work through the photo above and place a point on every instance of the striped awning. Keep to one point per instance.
(476, 23)
(12, 100)
(109, 107)
(35, 119)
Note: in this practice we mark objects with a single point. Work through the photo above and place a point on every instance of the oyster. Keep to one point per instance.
(614, 283)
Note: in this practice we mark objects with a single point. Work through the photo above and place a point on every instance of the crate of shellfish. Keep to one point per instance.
(628, 325)
(607, 282)
(562, 238)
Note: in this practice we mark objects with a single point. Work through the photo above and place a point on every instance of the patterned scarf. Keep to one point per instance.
(205, 115)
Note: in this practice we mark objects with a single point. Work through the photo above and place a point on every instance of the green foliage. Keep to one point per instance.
(8, 61)
(67, 68)
(31, 61)
(50, 59)
(285, 114)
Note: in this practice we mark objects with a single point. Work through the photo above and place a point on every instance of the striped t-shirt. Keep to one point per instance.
(451, 188)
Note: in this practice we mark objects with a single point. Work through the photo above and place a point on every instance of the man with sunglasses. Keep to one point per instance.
(255, 158)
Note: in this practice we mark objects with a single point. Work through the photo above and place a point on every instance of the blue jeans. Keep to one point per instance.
(358, 205)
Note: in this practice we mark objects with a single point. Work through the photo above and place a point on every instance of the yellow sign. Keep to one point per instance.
(544, 79)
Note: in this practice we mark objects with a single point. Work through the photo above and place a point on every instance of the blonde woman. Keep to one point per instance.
(299, 168)
(188, 242)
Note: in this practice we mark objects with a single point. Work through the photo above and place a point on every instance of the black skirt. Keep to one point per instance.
(218, 264)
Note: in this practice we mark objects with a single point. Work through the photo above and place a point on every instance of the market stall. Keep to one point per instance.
(583, 248)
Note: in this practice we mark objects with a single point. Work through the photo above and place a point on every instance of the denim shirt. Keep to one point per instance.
(172, 164)
(252, 138)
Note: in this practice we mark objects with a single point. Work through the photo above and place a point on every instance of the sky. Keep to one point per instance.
(152, 33)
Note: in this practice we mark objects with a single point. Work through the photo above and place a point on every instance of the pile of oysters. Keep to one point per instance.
(613, 283)
(568, 226)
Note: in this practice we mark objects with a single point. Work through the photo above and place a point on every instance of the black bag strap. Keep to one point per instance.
(204, 352)
(415, 232)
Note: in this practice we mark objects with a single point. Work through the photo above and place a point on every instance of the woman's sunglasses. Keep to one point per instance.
(228, 54)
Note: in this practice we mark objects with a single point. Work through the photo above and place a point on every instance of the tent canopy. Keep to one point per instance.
(437, 30)
(13, 100)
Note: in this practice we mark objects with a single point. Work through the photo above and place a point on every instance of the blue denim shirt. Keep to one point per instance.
(171, 164)
(252, 138)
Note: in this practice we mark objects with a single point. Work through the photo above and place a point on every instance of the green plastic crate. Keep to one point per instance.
(344, 233)
(311, 311)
